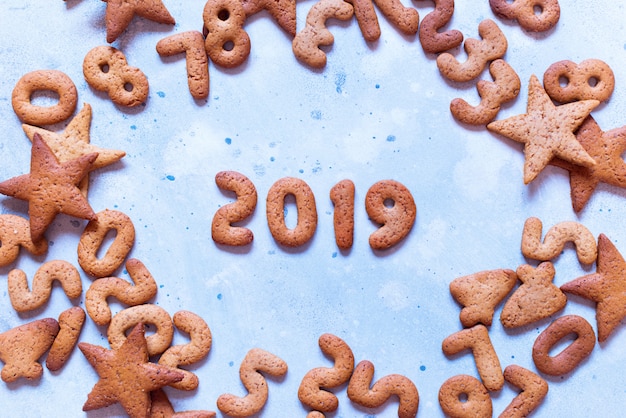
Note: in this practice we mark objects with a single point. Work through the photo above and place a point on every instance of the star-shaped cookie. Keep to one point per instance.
(546, 130)
(51, 187)
(74, 142)
(119, 14)
(126, 375)
(606, 148)
(606, 287)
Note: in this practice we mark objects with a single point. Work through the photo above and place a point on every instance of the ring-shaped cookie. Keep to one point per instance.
(592, 79)
(44, 80)
(146, 314)
(570, 356)
(93, 238)
(463, 396)
(307, 212)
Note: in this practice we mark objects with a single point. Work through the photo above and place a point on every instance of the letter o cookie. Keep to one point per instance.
(307, 212)
(573, 354)
(44, 80)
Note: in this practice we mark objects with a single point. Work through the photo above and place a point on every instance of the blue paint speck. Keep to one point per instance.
(301, 171)
(228, 141)
(219, 296)
(272, 158)
(231, 363)
(422, 368)
(170, 177)
(160, 94)
(340, 80)
(391, 138)
(316, 114)
(334, 254)
(377, 86)
(133, 127)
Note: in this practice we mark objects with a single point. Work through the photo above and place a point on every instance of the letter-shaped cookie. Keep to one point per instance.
(226, 43)
(24, 300)
(255, 362)
(37, 337)
(533, 390)
(105, 69)
(525, 12)
(161, 407)
(477, 402)
(592, 79)
(433, 41)
(342, 196)
(555, 240)
(143, 314)
(93, 237)
(307, 212)
(15, 233)
(537, 298)
(222, 230)
(284, 11)
(479, 52)
(504, 88)
(571, 356)
(44, 80)
(406, 19)
(186, 354)
(477, 340)
(143, 290)
(480, 293)
(71, 323)
(191, 43)
(311, 391)
(306, 44)
(390, 204)
(359, 390)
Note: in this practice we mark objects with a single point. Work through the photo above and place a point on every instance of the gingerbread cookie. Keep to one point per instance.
(464, 396)
(359, 390)
(546, 130)
(537, 298)
(565, 81)
(433, 41)
(255, 362)
(480, 293)
(119, 14)
(15, 233)
(222, 230)
(22, 346)
(606, 287)
(70, 325)
(532, 15)
(126, 375)
(51, 187)
(44, 80)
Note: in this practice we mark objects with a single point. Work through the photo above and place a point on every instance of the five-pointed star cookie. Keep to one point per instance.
(51, 187)
(74, 142)
(119, 14)
(546, 130)
(606, 287)
(606, 148)
(126, 375)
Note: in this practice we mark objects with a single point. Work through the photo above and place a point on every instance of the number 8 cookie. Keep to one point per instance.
(565, 81)
(226, 43)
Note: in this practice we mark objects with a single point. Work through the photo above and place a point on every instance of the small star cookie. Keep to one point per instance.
(126, 375)
(51, 187)
(547, 130)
